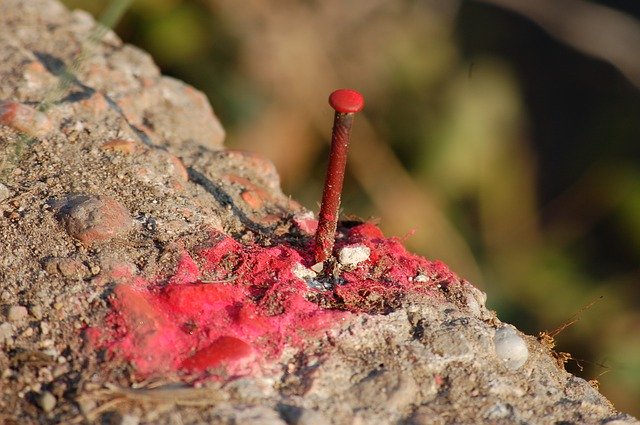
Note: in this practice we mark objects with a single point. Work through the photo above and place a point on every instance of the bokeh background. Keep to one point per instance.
(501, 136)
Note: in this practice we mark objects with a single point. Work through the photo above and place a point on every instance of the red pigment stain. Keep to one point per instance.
(223, 349)
(254, 306)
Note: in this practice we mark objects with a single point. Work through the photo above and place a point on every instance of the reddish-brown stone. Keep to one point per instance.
(94, 219)
(123, 146)
(24, 119)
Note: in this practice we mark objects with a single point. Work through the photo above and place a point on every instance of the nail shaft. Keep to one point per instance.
(346, 103)
(330, 207)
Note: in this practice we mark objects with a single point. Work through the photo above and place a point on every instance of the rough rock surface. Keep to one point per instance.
(109, 171)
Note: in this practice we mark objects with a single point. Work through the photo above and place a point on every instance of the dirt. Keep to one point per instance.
(148, 275)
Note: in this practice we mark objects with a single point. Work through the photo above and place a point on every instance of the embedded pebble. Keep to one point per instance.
(36, 311)
(128, 419)
(17, 313)
(4, 192)
(353, 255)
(123, 146)
(47, 401)
(67, 267)
(510, 348)
(476, 300)
(24, 118)
(6, 332)
(317, 267)
(302, 272)
(421, 278)
(306, 222)
(94, 219)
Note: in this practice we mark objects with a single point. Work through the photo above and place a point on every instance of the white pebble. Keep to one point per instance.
(302, 272)
(4, 192)
(476, 300)
(317, 267)
(353, 254)
(510, 348)
(128, 419)
(47, 401)
(6, 332)
(17, 313)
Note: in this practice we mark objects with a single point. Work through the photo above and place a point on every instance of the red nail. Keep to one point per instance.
(346, 103)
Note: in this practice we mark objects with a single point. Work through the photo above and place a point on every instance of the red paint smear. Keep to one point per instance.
(225, 349)
(192, 325)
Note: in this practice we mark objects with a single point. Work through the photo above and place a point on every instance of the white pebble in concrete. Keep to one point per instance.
(353, 255)
(510, 348)
(302, 272)
(317, 267)
(421, 278)
(6, 333)
(17, 313)
(129, 420)
(4, 192)
(47, 401)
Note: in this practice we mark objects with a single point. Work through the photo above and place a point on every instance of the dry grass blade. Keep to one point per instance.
(155, 394)
(178, 394)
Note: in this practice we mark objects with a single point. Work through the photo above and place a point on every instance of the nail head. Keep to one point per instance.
(346, 101)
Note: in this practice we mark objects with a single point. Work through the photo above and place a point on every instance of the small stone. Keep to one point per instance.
(475, 300)
(67, 267)
(6, 332)
(254, 198)
(94, 219)
(128, 419)
(36, 311)
(48, 343)
(302, 272)
(421, 278)
(17, 313)
(47, 401)
(72, 269)
(510, 348)
(45, 328)
(86, 405)
(4, 192)
(24, 119)
(353, 255)
(317, 267)
(126, 147)
(306, 222)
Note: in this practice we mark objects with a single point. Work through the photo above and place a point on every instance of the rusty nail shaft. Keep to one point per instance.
(346, 103)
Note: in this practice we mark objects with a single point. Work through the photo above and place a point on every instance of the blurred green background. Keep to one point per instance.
(501, 136)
